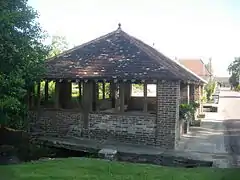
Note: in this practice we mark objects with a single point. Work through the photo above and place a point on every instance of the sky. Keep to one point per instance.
(177, 28)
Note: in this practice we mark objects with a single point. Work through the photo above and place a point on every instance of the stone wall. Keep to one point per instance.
(137, 129)
(56, 123)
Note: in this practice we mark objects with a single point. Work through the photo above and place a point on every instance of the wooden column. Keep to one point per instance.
(117, 103)
(127, 92)
(80, 91)
(145, 105)
(192, 92)
(95, 95)
(38, 94)
(121, 96)
(56, 94)
(103, 90)
(113, 93)
(65, 92)
(46, 91)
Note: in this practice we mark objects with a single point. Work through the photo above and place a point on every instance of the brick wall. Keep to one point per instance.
(56, 123)
(168, 99)
(137, 129)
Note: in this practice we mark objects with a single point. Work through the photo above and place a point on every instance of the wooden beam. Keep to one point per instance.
(145, 105)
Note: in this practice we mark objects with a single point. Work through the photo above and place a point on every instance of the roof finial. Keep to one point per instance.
(119, 25)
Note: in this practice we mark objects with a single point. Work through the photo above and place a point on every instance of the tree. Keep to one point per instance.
(58, 45)
(22, 54)
(210, 67)
(234, 70)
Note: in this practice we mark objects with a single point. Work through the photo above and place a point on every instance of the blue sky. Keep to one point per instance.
(178, 28)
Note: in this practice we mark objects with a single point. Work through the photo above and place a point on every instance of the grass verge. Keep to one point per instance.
(85, 169)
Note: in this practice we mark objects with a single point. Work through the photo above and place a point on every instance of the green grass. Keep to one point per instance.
(85, 169)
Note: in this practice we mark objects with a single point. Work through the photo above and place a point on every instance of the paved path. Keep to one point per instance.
(219, 135)
(231, 113)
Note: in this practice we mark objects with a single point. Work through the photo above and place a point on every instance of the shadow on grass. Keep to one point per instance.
(7, 173)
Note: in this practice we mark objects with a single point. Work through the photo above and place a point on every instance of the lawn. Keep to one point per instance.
(83, 169)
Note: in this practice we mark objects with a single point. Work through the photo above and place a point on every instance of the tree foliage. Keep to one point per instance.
(22, 54)
(234, 70)
(58, 45)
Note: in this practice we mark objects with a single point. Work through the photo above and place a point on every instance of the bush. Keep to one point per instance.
(187, 111)
(237, 88)
(210, 89)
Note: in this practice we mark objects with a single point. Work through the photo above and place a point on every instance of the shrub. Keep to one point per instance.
(237, 88)
(187, 111)
(210, 88)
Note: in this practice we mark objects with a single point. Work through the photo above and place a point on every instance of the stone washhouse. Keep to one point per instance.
(113, 63)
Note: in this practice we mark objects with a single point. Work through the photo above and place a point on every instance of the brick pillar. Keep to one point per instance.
(185, 93)
(168, 99)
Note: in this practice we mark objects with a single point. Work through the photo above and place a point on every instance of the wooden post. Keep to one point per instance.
(103, 90)
(116, 98)
(145, 105)
(95, 95)
(65, 92)
(113, 93)
(38, 94)
(46, 91)
(79, 91)
(56, 95)
(121, 94)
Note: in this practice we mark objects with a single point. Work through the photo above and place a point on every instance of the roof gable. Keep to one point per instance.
(115, 55)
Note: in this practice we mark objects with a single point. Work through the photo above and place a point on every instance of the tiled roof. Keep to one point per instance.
(195, 65)
(116, 55)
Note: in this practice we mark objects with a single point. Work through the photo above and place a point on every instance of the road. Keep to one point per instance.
(230, 109)
(218, 138)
